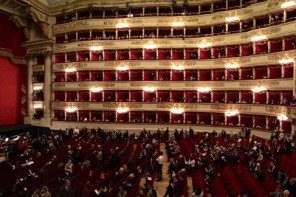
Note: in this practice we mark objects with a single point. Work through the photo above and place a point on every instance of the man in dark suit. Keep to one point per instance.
(66, 190)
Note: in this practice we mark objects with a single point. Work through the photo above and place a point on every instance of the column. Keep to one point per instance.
(47, 85)
(30, 110)
(239, 120)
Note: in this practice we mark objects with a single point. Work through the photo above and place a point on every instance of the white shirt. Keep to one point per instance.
(160, 159)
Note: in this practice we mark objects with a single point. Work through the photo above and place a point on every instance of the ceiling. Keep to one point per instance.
(55, 2)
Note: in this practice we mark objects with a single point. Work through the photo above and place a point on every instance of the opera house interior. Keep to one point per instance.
(128, 98)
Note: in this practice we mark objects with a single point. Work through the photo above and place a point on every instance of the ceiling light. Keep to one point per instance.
(288, 4)
(150, 46)
(96, 89)
(149, 89)
(71, 109)
(258, 38)
(231, 113)
(204, 89)
(231, 65)
(96, 48)
(122, 68)
(122, 110)
(259, 89)
(232, 19)
(204, 45)
(70, 70)
(38, 106)
(178, 24)
(282, 117)
(176, 110)
(286, 61)
(122, 25)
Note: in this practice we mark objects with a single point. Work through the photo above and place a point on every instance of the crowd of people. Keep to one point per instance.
(94, 162)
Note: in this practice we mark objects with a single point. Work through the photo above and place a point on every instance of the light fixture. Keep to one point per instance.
(96, 89)
(178, 24)
(122, 110)
(37, 87)
(288, 4)
(286, 61)
(177, 67)
(259, 89)
(231, 113)
(204, 45)
(149, 88)
(122, 68)
(150, 46)
(232, 19)
(258, 38)
(122, 25)
(70, 70)
(177, 110)
(204, 89)
(282, 117)
(71, 109)
(96, 48)
(231, 65)
(38, 106)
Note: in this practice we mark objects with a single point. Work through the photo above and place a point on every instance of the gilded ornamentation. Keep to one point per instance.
(281, 55)
(70, 26)
(95, 84)
(38, 68)
(225, 107)
(276, 109)
(59, 84)
(70, 104)
(239, 60)
(210, 84)
(70, 65)
(259, 83)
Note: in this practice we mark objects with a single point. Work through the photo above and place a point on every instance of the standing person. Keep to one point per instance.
(159, 166)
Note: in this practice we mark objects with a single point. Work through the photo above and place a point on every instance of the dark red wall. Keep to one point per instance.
(12, 77)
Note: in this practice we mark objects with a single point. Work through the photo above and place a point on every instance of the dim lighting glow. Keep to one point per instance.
(122, 25)
(232, 19)
(149, 89)
(231, 113)
(122, 68)
(70, 70)
(259, 89)
(258, 38)
(177, 67)
(122, 110)
(38, 106)
(282, 117)
(288, 4)
(150, 46)
(96, 89)
(204, 45)
(96, 48)
(286, 61)
(37, 87)
(176, 110)
(178, 24)
(204, 89)
(71, 109)
(231, 65)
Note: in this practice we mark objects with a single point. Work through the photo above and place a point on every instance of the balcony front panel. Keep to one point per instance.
(206, 19)
(252, 60)
(277, 31)
(273, 110)
(269, 84)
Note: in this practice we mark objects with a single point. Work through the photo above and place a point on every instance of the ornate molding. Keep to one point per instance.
(95, 84)
(276, 109)
(263, 31)
(259, 83)
(22, 23)
(239, 60)
(282, 55)
(43, 47)
(70, 26)
(225, 107)
(205, 84)
(69, 65)
(70, 104)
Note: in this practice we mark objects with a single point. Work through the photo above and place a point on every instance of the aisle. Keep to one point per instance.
(161, 185)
